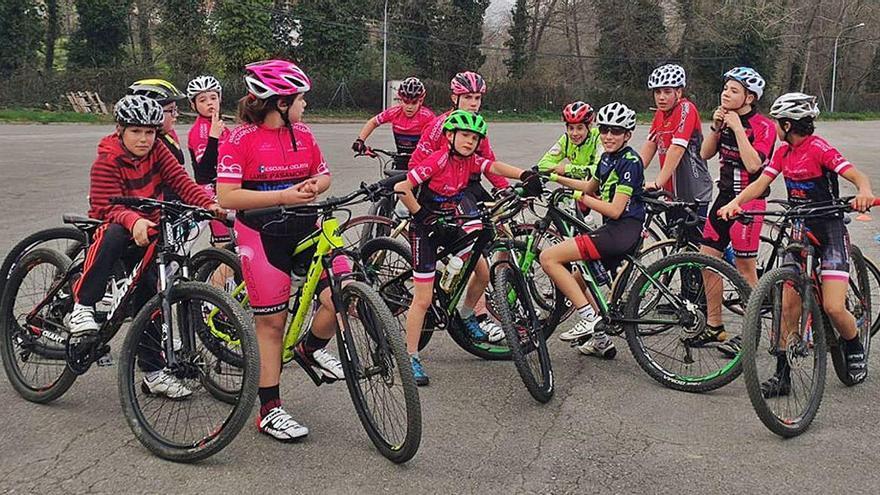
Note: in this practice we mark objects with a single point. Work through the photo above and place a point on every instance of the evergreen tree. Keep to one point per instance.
(101, 35)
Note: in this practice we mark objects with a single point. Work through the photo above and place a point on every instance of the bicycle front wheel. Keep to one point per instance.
(667, 316)
(173, 409)
(784, 352)
(524, 331)
(378, 373)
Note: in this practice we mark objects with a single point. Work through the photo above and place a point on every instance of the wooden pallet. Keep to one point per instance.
(86, 102)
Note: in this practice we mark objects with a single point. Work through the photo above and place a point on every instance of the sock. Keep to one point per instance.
(587, 312)
(466, 312)
(311, 343)
(415, 355)
(270, 398)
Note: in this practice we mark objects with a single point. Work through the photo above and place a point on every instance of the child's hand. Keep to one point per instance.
(217, 125)
(729, 210)
(296, 195)
(863, 201)
(718, 117)
(141, 231)
(732, 120)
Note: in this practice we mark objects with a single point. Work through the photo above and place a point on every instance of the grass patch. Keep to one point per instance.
(28, 115)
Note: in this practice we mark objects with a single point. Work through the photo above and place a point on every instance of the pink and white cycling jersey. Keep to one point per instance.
(401, 124)
(433, 139)
(810, 170)
(445, 176)
(263, 159)
(204, 166)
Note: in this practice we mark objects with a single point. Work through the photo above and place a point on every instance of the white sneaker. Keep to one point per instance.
(603, 348)
(583, 328)
(82, 320)
(164, 383)
(493, 330)
(328, 364)
(281, 426)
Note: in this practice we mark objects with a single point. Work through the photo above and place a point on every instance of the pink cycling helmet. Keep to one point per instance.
(275, 78)
(467, 82)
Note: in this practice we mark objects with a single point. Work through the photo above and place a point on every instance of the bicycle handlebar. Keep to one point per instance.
(369, 191)
(842, 205)
(153, 204)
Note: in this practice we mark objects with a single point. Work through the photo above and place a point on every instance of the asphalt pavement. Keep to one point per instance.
(609, 429)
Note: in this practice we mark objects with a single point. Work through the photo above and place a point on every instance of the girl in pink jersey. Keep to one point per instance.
(810, 167)
(407, 120)
(270, 160)
(205, 136)
(443, 177)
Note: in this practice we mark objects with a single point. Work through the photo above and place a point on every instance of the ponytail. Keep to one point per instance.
(252, 110)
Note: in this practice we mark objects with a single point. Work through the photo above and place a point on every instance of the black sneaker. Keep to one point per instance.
(731, 346)
(709, 335)
(856, 361)
(778, 385)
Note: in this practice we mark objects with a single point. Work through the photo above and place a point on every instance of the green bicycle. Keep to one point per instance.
(371, 349)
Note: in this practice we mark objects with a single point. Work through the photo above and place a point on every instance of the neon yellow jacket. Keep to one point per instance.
(582, 159)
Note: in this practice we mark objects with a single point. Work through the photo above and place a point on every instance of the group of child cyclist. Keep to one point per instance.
(273, 159)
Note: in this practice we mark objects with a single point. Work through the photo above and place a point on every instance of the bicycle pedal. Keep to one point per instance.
(317, 379)
(105, 361)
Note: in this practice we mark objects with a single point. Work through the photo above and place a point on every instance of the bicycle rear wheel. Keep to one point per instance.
(378, 373)
(858, 302)
(775, 339)
(67, 240)
(199, 425)
(874, 282)
(34, 355)
(665, 317)
(524, 331)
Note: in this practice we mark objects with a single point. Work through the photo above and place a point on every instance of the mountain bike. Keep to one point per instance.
(801, 334)
(374, 359)
(167, 333)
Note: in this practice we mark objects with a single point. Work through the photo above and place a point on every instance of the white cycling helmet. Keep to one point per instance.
(616, 115)
(794, 106)
(667, 76)
(138, 110)
(749, 78)
(202, 84)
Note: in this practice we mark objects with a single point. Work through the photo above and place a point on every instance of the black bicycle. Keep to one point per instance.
(170, 333)
(786, 326)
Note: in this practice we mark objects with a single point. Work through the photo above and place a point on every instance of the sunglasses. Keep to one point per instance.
(613, 129)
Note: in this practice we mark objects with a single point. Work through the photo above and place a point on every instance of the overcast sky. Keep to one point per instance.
(498, 9)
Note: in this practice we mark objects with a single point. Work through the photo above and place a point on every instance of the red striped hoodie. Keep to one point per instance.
(116, 172)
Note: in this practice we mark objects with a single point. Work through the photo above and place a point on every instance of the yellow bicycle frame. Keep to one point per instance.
(325, 240)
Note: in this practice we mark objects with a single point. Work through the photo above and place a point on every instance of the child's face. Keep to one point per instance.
(297, 108)
(411, 107)
(613, 138)
(171, 113)
(465, 142)
(734, 96)
(207, 103)
(468, 101)
(577, 132)
(666, 98)
(137, 140)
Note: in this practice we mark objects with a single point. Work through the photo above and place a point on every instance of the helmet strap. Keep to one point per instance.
(286, 119)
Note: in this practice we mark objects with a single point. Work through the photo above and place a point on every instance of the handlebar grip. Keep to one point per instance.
(389, 182)
(258, 212)
(127, 201)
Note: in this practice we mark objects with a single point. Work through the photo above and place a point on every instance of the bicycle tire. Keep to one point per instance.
(12, 332)
(716, 376)
(66, 232)
(752, 342)
(218, 437)
(398, 298)
(874, 279)
(381, 332)
(860, 307)
(509, 278)
(353, 230)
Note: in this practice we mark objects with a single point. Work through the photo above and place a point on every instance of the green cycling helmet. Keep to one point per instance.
(462, 120)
